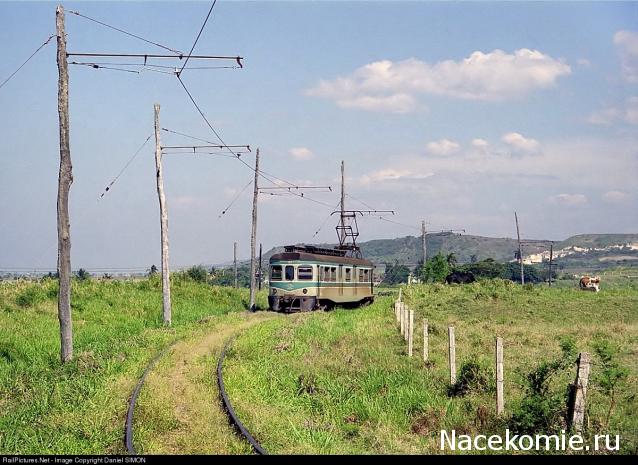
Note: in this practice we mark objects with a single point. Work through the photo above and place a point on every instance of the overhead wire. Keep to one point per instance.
(197, 38)
(235, 199)
(125, 166)
(177, 52)
(28, 59)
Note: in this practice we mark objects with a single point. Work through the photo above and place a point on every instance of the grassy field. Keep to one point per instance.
(79, 408)
(340, 382)
(334, 382)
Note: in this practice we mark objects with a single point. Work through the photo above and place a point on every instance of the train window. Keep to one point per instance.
(360, 276)
(275, 273)
(290, 273)
(348, 277)
(304, 273)
(333, 273)
(366, 276)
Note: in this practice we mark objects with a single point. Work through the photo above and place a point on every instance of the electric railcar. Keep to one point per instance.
(306, 278)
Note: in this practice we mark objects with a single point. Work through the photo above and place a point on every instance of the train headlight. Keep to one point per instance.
(305, 291)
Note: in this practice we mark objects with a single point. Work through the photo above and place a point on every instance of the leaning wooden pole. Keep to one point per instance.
(235, 262)
(253, 235)
(166, 279)
(65, 179)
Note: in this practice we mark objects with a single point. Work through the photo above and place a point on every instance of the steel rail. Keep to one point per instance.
(232, 416)
(128, 432)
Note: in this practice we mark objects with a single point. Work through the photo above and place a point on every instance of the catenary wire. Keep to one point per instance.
(177, 52)
(27, 60)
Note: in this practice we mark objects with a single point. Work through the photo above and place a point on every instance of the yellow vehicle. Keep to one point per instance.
(306, 278)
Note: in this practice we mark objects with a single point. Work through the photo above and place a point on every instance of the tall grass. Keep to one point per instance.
(79, 407)
(340, 382)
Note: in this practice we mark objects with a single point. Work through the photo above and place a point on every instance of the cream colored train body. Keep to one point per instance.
(309, 278)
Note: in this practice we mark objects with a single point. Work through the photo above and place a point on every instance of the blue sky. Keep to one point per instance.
(457, 113)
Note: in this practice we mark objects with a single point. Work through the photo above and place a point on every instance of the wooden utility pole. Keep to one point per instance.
(425, 256)
(520, 249)
(342, 231)
(65, 178)
(551, 257)
(235, 262)
(166, 279)
(253, 235)
(259, 272)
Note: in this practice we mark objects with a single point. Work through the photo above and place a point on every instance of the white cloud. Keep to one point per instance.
(520, 143)
(301, 153)
(397, 103)
(480, 143)
(443, 147)
(391, 174)
(627, 44)
(583, 62)
(631, 110)
(604, 117)
(626, 112)
(570, 199)
(615, 196)
(394, 86)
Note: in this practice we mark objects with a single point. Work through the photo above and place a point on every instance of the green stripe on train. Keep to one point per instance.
(313, 285)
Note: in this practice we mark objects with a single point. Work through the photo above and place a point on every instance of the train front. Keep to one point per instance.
(293, 285)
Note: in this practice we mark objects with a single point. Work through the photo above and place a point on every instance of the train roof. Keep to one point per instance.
(316, 254)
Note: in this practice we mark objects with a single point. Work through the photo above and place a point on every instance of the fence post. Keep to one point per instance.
(410, 332)
(579, 391)
(400, 293)
(402, 316)
(452, 354)
(425, 340)
(406, 319)
(500, 402)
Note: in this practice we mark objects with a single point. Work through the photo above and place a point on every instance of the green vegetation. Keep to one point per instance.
(321, 382)
(471, 249)
(79, 407)
(340, 382)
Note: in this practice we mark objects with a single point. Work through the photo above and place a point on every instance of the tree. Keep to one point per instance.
(395, 274)
(197, 273)
(436, 269)
(152, 271)
(83, 275)
(451, 259)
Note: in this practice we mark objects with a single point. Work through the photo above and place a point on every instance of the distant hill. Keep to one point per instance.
(584, 250)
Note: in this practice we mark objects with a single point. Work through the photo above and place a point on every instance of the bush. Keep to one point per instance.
(83, 275)
(541, 409)
(30, 296)
(474, 377)
(197, 273)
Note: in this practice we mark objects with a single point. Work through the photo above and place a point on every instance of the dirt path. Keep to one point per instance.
(178, 411)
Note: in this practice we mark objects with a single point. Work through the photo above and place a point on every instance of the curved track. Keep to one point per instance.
(232, 416)
(227, 406)
(128, 433)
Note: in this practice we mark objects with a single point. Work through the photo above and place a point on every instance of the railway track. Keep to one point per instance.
(211, 343)
(232, 416)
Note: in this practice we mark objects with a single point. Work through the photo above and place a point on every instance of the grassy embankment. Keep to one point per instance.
(80, 407)
(340, 382)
